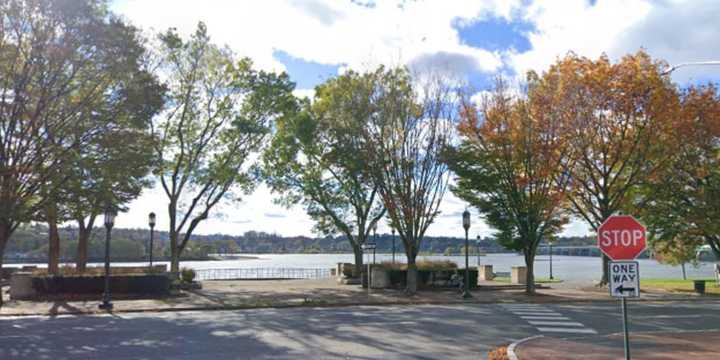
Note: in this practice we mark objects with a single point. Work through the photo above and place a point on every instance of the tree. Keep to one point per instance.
(618, 119)
(218, 116)
(56, 61)
(509, 166)
(314, 160)
(683, 201)
(411, 128)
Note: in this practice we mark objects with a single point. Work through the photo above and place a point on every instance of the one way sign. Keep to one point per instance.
(624, 279)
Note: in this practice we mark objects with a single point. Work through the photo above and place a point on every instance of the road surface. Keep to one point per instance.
(387, 332)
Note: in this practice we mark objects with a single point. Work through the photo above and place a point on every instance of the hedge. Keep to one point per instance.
(426, 278)
(155, 284)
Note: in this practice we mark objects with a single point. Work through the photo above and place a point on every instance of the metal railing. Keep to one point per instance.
(261, 273)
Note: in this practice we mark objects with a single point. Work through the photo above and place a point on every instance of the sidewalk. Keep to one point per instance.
(666, 346)
(217, 295)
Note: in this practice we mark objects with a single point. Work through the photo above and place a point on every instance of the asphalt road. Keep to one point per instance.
(388, 332)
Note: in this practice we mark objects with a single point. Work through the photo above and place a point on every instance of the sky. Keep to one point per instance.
(314, 40)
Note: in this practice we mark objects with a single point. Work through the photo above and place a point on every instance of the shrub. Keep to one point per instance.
(187, 275)
(422, 265)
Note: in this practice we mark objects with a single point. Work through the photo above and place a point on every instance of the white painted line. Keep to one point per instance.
(536, 313)
(529, 309)
(545, 318)
(511, 349)
(567, 330)
(556, 323)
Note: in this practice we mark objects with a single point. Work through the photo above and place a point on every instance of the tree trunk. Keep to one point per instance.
(357, 251)
(412, 276)
(82, 249)
(683, 271)
(605, 265)
(174, 254)
(530, 280)
(53, 241)
(174, 251)
(4, 237)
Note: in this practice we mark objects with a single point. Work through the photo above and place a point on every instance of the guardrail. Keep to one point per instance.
(261, 274)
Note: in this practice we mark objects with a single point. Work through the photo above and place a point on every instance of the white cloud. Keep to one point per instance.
(673, 30)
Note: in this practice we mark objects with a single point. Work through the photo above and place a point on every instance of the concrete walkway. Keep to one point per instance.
(666, 346)
(326, 292)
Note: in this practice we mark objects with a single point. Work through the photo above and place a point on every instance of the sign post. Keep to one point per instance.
(622, 239)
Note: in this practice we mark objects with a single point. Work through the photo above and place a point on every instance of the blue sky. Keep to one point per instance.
(313, 40)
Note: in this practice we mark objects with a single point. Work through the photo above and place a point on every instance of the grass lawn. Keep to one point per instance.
(711, 286)
(538, 280)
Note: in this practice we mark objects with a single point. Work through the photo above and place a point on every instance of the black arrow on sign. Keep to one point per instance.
(620, 289)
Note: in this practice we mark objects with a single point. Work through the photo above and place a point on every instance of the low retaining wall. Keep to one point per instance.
(431, 278)
(24, 286)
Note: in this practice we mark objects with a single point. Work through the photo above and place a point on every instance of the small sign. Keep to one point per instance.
(624, 279)
(369, 246)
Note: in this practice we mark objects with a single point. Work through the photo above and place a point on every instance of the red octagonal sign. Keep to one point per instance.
(621, 237)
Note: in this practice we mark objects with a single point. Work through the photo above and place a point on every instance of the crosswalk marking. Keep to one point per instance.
(548, 320)
(545, 317)
(537, 313)
(556, 323)
(567, 330)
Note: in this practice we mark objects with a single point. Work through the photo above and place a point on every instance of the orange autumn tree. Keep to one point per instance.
(619, 119)
(509, 166)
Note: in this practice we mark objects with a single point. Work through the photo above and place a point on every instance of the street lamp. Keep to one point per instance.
(392, 230)
(550, 244)
(109, 222)
(697, 63)
(151, 222)
(466, 225)
(478, 251)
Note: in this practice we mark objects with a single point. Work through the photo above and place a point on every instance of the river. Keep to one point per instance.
(564, 267)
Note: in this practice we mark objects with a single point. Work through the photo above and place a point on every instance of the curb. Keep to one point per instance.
(511, 348)
(311, 304)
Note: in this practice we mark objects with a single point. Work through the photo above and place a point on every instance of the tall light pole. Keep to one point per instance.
(478, 252)
(550, 244)
(392, 230)
(151, 222)
(466, 225)
(109, 222)
(695, 63)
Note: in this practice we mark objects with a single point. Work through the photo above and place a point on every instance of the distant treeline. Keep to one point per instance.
(30, 243)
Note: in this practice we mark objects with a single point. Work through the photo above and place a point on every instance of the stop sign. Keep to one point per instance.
(621, 237)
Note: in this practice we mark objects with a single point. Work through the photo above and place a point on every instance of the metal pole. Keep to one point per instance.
(152, 233)
(106, 302)
(625, 328)
(478, 252)
(466, 293)
(551, 275)
(393, 245)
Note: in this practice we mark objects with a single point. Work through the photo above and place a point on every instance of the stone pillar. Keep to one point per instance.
(21, 287)
(518, 275)
(485, 272)
(380, 277)
(339, 270)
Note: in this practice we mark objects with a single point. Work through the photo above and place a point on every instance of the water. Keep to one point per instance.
(564, 267)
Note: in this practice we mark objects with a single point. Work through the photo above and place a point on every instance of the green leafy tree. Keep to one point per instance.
(314, 160)
(218, 117)
(509, 166)
(411, 128)
(57, 60)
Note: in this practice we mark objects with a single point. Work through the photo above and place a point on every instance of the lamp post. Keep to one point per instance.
(550, 244)
(374, 240)
(478, 252)
(392, 230)
(151, 222)
(109, 222)
(697, 63)
(466, 225)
